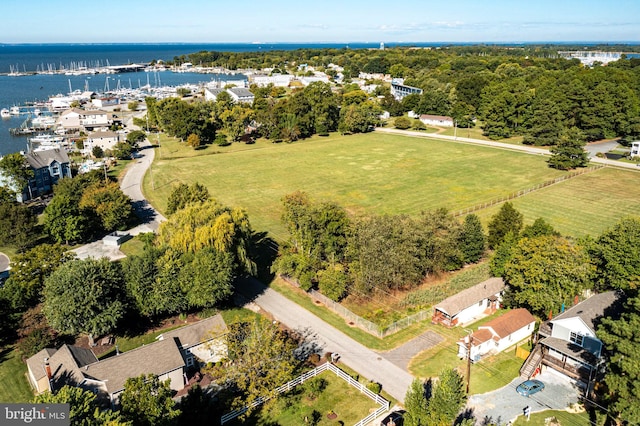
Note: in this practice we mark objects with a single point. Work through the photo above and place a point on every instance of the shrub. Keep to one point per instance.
(314, 387)
(402, 123)
(374, 387)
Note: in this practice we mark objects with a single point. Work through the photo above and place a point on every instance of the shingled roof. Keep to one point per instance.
(198, 332)
(593, 309)
(157, 358)
(459, 302)
(40, 159)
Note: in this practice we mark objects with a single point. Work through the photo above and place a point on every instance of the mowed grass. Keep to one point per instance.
(367, 173)
(348, 403)
(584, 205)
(14, 386)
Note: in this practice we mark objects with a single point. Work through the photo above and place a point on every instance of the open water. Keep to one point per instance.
(39, 87)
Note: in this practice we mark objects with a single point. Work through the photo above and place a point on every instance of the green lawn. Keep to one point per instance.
(584, 205)
(346, 401)
(563, 417)
(374, 172)
(14, 386)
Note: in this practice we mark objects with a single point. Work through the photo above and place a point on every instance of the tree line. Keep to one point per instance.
(527, 91)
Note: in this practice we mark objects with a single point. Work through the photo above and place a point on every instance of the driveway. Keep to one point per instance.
(366, 362)
(131, 185)
(98, 250)
(4, 262)
(402, 355)
(506, 404)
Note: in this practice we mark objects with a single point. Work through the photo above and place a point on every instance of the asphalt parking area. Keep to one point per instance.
(506, 404)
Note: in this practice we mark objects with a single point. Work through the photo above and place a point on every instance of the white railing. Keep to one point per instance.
(384, 404)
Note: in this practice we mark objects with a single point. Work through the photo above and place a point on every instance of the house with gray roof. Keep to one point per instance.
(568, 342)
(168, 358)
(470, 304)
(48, 167)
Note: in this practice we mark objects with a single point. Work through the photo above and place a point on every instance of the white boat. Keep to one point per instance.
(46, 139)
(14, 110)
(4, 113)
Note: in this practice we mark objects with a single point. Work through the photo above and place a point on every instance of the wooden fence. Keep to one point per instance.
(366, 325)
(384, 404)
(523, 192)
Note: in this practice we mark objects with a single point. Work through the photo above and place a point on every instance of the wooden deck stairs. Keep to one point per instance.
(533, 361)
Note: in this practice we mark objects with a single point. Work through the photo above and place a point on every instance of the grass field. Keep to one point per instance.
(584, 205)
(348, 403)
(376, 173)
(13, 382)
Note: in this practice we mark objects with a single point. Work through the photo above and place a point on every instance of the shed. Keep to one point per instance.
(470, 304)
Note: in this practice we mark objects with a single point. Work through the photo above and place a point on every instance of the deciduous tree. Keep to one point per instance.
(85, 296)
(146, 401)
(508, 219)
(615, 255)
(184, 194)
(447, 399)
(416, 404)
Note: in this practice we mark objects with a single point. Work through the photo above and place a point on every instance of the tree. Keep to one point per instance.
(84, 408)
(97, 152)
(29, 271)
(547, 271)
(133, 105)
(85, 296)
(508, 219)
(615, 253)
(122, 151)
(332, 282)
(569, 153)
(622, 341)
(416, 404)
(146, 401)
(140, 274)
(210, 224)
(447, 399)
(262, 358)
(194, 141)
(207, 278)
(538, 228)
(472, 241)
(16, 168)
(135, 137)
(109, 204)
(184, 194)
(18, 225)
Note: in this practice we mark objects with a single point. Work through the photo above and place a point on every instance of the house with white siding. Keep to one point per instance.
(470, 304)
(498, 334)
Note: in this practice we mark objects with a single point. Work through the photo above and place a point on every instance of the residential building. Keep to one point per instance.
(48, 167)
(278, 80)
(170, 358)
(79, 119)
(105, 140)
(437, 120)
(400, 91)
(635, 149)
(568, 342)
(498, 334)
(238, 94)
(470, 304)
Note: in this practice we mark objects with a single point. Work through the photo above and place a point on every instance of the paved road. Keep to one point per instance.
(131, 185)
(502, 145)
(506, 404)
(368, 363)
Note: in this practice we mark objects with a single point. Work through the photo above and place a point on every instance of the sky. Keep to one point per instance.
(339, 21)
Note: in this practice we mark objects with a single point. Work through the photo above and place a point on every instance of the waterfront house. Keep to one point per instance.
(278, 80)
(498, 334)
(568, 342)
(76, 119)
(437, 120)
(48, 167)
(470, 304)
(105, 140)
(169, 358)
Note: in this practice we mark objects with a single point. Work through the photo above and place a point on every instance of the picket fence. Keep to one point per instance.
(384, 404)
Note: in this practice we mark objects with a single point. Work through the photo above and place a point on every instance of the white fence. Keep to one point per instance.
(384, 404)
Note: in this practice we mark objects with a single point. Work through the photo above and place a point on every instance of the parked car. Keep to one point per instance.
(530, 387)
(393, 419)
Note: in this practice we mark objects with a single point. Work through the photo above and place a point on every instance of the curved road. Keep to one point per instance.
(502, 145)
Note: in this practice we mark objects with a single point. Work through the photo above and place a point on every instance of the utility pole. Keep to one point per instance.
(468, 359)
